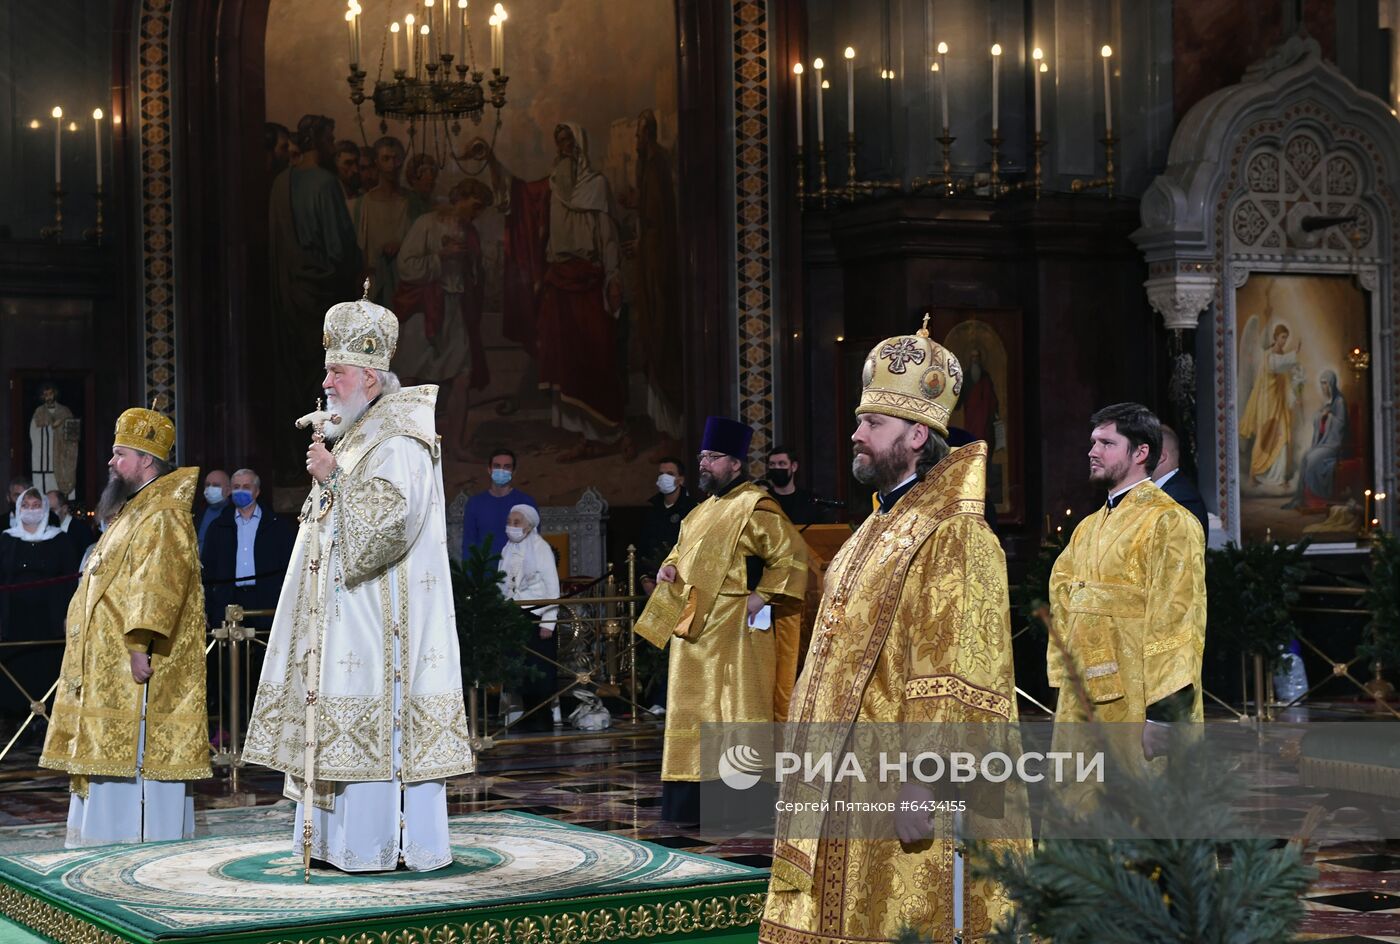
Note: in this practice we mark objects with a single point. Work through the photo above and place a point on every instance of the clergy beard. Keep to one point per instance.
(883, 470)
(349, 409)
(114, 495)
(1110, 476)
(711, 484)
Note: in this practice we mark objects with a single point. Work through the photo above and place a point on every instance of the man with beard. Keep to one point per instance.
(1128, 594)
(563, 288)
(914, 628)
(737, 554)
(313, 260)
(129, 721)
(391, 725)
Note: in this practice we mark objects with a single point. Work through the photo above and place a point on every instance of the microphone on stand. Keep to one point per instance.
(828, 502)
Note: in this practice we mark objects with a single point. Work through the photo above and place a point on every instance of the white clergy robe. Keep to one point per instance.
(391, 723)
(125, 810)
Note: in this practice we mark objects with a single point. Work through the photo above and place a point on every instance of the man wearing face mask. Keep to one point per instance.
(216, 496)
(737, 554)
(245, 553)
(666, 510)
(487, 511)
(781, 475)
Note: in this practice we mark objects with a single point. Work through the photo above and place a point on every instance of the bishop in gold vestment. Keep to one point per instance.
(722, 669)
(1128, 594)
(914, 627)
(129, 720)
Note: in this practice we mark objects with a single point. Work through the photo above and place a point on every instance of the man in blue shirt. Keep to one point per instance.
(216, 490)
(487, 511)
(245, 553)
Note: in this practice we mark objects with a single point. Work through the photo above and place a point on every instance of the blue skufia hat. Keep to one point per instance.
(727, 436)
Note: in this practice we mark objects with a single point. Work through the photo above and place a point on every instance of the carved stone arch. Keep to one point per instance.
(1293, 140)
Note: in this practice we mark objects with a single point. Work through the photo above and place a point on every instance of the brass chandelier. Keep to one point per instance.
(434, 73)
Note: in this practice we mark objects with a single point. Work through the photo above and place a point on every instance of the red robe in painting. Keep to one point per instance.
(557, 311)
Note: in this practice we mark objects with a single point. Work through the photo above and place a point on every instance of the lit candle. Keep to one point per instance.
(1037, 67)
(97, 140)
(797, 85)
(57, 147)
(431, 41)
(818, 65)
(423, 53)
(501, 17)
(1107, 53)
(355, 9)
(350, 32)
(943, 80)
(462, 39)
(1044, 68)
(408, 40)
(850, 90)
(495, 27)
(394, 41)
(996, 74)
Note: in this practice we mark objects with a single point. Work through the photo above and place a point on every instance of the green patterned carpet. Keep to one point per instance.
(516, 879)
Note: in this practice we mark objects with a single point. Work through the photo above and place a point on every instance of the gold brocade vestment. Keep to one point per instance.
(914, 627)
(721, 669)
(141, 589)
(1128, 596)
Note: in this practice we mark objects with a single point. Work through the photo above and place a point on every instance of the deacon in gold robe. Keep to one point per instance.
(737, 554)
(129, 720)
(914, 627)
(1128, 594)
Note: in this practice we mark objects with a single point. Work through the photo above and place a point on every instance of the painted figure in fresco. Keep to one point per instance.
(381, 220)
(563, 288)
(420, 176)
(1268, 414)
(1315, 472)
(53, 444)
(979, 402)
(314, 261)
(655, 307)
(439, 301)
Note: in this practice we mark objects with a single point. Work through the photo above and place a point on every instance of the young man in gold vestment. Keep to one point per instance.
(129, 720)
(914, 628)
(1128, 594)
(737, 554)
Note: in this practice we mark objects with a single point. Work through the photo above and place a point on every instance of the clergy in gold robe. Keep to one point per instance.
(1128, 594)
(129, 720)
(914, 628)
(737, 554)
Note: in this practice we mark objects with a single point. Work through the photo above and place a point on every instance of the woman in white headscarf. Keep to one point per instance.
(529, 572)
(31, 552)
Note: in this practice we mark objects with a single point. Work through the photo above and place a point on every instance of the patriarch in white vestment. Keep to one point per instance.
(390, 723)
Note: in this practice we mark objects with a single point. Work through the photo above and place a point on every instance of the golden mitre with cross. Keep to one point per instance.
(913, 377)
(146, 431)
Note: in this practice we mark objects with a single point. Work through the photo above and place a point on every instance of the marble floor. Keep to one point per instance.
(611, 782)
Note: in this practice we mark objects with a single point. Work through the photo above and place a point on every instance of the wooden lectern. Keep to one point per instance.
(823, 541)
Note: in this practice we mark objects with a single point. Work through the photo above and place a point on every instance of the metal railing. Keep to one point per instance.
(597, 649)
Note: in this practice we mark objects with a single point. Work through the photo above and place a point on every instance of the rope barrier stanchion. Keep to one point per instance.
(36, 709)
